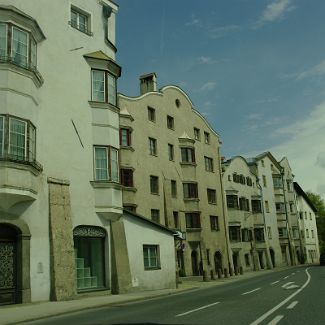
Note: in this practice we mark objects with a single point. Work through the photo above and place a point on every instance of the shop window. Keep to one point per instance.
(89, 246)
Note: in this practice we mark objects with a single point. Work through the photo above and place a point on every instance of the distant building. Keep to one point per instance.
(309, 246)
(170, 172)
(246, 217)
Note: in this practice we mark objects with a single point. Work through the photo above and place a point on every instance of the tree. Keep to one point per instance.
(319, 204)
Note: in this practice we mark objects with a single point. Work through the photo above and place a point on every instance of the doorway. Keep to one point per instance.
(195, 263)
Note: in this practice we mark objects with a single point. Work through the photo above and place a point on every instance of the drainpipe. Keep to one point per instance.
(287, 217)
(225, 222)
(268, 258)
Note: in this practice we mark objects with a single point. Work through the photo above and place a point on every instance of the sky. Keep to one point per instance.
(254, 68)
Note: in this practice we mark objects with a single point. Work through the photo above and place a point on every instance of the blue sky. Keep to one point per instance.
(254, 68)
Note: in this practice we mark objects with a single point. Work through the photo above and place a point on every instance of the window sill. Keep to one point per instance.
(86, 32)
(154, 193)
(105, 184)
(193, 229)
(215, 230)
(191, 199)
(129, 188)
(212, 203)
(103, 105)
(185, 163)
(127, 148)
(152, 268)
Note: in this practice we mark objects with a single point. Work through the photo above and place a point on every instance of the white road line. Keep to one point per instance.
(275, 282)
(271, 311)
(248, 292)
(197, 309)
(287, 284)
(286, 277)
(293, 273)
(275, 320)
(292, 305)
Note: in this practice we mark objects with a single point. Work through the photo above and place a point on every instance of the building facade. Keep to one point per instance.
(62, 227)
(309, 246)
(246, 218)
(170, 172)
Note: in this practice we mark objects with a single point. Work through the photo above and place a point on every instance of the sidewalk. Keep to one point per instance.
(15, 314)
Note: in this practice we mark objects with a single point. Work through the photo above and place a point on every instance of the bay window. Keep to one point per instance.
(188, 155)
(103, 87)
(17, 139)
(17, 46)
(106, 163)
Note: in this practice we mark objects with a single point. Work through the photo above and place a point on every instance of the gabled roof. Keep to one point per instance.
(301, 192)
(263, 155)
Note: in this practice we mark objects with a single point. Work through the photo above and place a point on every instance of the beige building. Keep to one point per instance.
(170, 172)
(246, 224)
(309, 246)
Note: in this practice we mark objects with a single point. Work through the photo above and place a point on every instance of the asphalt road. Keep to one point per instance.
(293, 296)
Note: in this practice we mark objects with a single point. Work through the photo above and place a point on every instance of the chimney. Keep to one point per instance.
(148, 82)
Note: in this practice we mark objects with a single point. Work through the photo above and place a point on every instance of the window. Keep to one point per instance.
(277, 182)
(207, 137)
(243, 204)
(292, 207)
(264, 180)
(17, 46)
(192, 220)
(249, 181)
(125, 137)
(152, 147)
(295, 233)
(103, 87)
(197, 135)
(305, 215)
(190, 190)
(188, 155)
(170, 152)
(155, 215)
(151, 114)
(246, 235)
(283, 232)
(176, 221)
(234, 233)
(208, 164)
(289, 185)
(127, 177)
(267, 208)
(170, 122)
(310, 217)
(173, 188)
(151, 257)
(256, 206)
(106, 164)
(154, 185)
(312, 234)
(280, 207)
(214, 223)
(79, 20)
(259, 234)
(269, 232)
(262, 162)
(232, 201)
(212, 196)
(131, 208)
(307, 233)
(17, 139)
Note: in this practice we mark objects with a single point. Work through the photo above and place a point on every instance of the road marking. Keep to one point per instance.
(275, 282)
(290, 285)
(197, 309)
(248, 292)
(287, 284)
(286, 277)
(283, 302)
(275, 320)
(292, 305)
(293, 273)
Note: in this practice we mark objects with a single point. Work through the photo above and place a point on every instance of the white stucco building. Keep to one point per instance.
(61, 226)
(307, 227)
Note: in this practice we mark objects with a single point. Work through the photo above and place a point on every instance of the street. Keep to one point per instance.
(292, 296)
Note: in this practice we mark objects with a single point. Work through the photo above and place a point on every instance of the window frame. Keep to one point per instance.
(190, 191)
(155, 213)
(173, 187)
(79, 12)
(170, 122)
(189, 154)
(193, 220)
(109, 163)
(154, 184)
(207, 139)
(152, 146)
(107, 91)
(214, 192)
(208, 163)
(214, 223)
(156, 257)
(197, 134)
(128, 137)
(171, 154)
(151, 114)
(123, 177)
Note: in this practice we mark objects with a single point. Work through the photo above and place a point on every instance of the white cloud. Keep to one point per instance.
(206, 60)
(218, 32)
(254, 116)
(303, 145)
(317, 70)
(208, 86)
(194, 22)
(274, 11)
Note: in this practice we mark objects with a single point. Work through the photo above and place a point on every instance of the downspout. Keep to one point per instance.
(287, 217)
(225, 222)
